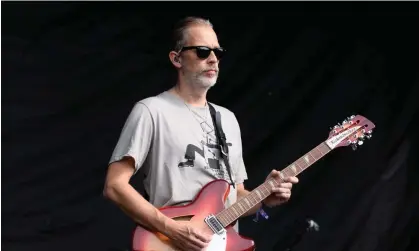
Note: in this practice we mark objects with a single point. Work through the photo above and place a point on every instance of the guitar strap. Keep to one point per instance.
(222, 141)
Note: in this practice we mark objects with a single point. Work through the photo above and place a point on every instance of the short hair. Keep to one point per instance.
(179, 35)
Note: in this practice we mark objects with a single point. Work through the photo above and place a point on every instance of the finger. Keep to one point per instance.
(186, 246)
(279, 190)
(202, 237)
(196, 244)
(292, 179)
(283, 195)
(193, 246)
(285, 185)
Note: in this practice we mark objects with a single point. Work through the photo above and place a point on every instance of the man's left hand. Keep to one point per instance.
(282, 192)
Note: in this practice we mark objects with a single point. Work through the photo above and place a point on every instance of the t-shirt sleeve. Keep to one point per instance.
(240, 168)
(135, 137)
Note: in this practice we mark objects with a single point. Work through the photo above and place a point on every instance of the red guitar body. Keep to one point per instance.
(210, 200)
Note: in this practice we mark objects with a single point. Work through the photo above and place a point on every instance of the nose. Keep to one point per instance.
(212, 59)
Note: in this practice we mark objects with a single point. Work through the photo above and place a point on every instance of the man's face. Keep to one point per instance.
(200, 72)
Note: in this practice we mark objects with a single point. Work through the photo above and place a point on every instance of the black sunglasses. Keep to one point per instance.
(203, 52)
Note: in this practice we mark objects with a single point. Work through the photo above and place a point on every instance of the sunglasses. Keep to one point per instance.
(203, 52)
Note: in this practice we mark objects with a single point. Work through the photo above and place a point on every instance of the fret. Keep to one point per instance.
(312, 156)
(316, 153)
(237, 210)
(271, 184)
(302, 163)
(250, 199)
(248, 203)
(301, 168)
(317, 148)
(231, 214)
(267, 189)
(236, 214)
(263, 194)
(324, 148)
(259, 195)
(307, 159)
(281, 175)
(264, 190)
(311, 159)
(294, 169)
(244, 205)
(222, 220)
(319, 152)
(228, 216)
(296, 163)
(241, 207)
(227, 221)
(297, 168)
(289, 172)
(255, 199)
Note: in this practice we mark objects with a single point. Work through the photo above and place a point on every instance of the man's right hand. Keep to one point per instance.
(188, 237)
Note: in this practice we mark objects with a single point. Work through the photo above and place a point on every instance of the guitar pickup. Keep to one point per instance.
(214, 224)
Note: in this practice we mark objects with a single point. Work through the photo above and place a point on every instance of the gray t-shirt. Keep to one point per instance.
(176, 145)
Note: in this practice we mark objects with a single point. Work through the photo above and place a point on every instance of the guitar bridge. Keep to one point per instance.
(214, 224)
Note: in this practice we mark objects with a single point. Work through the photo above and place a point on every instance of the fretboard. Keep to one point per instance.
(246, 203)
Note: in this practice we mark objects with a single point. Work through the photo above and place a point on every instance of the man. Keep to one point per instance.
(172, 137)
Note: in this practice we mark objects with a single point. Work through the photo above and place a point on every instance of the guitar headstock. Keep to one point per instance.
(352, 131)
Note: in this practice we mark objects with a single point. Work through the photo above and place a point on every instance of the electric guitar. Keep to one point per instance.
(208, 212)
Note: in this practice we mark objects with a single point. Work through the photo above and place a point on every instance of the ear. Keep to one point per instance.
(175, 59)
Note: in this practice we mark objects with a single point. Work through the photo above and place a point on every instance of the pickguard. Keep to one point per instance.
(218, 242)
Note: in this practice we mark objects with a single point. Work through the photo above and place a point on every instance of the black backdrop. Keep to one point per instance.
(71, 72)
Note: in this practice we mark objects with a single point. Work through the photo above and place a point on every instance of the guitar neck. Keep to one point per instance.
(246, 203)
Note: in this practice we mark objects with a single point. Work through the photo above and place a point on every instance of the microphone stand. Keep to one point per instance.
(310, 226)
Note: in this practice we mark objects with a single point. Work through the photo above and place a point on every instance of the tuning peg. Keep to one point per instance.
(351, 117)
(354, 147)
(360, 142)
(368, 136)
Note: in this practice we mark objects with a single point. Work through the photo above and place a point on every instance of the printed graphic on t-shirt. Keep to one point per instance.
(209, 150)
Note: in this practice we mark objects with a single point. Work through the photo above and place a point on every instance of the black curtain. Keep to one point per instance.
(71, 72)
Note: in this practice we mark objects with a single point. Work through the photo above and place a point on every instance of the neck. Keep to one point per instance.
(192, 96)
